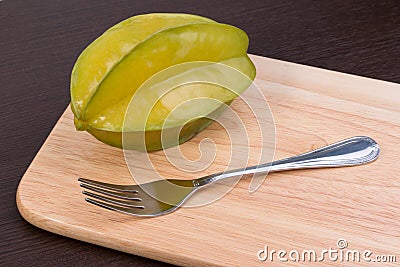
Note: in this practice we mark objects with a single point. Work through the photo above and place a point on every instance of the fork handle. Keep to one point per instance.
(353, 151)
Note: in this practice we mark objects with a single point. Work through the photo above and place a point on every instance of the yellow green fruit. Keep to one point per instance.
(110, 71)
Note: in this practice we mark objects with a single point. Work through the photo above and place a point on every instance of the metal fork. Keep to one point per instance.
(136, 199)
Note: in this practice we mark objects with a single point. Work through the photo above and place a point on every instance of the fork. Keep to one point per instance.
(137, 200)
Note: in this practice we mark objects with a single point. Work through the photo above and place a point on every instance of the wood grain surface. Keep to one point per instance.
(40, 41)
(304, 209)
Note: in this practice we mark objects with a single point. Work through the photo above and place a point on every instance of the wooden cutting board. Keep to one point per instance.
(298, 210)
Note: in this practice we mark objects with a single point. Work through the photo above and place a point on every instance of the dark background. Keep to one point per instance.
(41, 39)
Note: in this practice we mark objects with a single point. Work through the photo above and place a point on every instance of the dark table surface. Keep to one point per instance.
(40, 40)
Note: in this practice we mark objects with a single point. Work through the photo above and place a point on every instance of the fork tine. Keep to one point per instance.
(139, 212)
(129, 204)
(120, 195)
(110, 206)
(116, 187)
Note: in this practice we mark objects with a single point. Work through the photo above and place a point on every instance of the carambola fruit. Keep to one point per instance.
(155, 80)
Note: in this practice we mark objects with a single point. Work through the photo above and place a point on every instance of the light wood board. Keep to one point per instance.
(305, 209)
